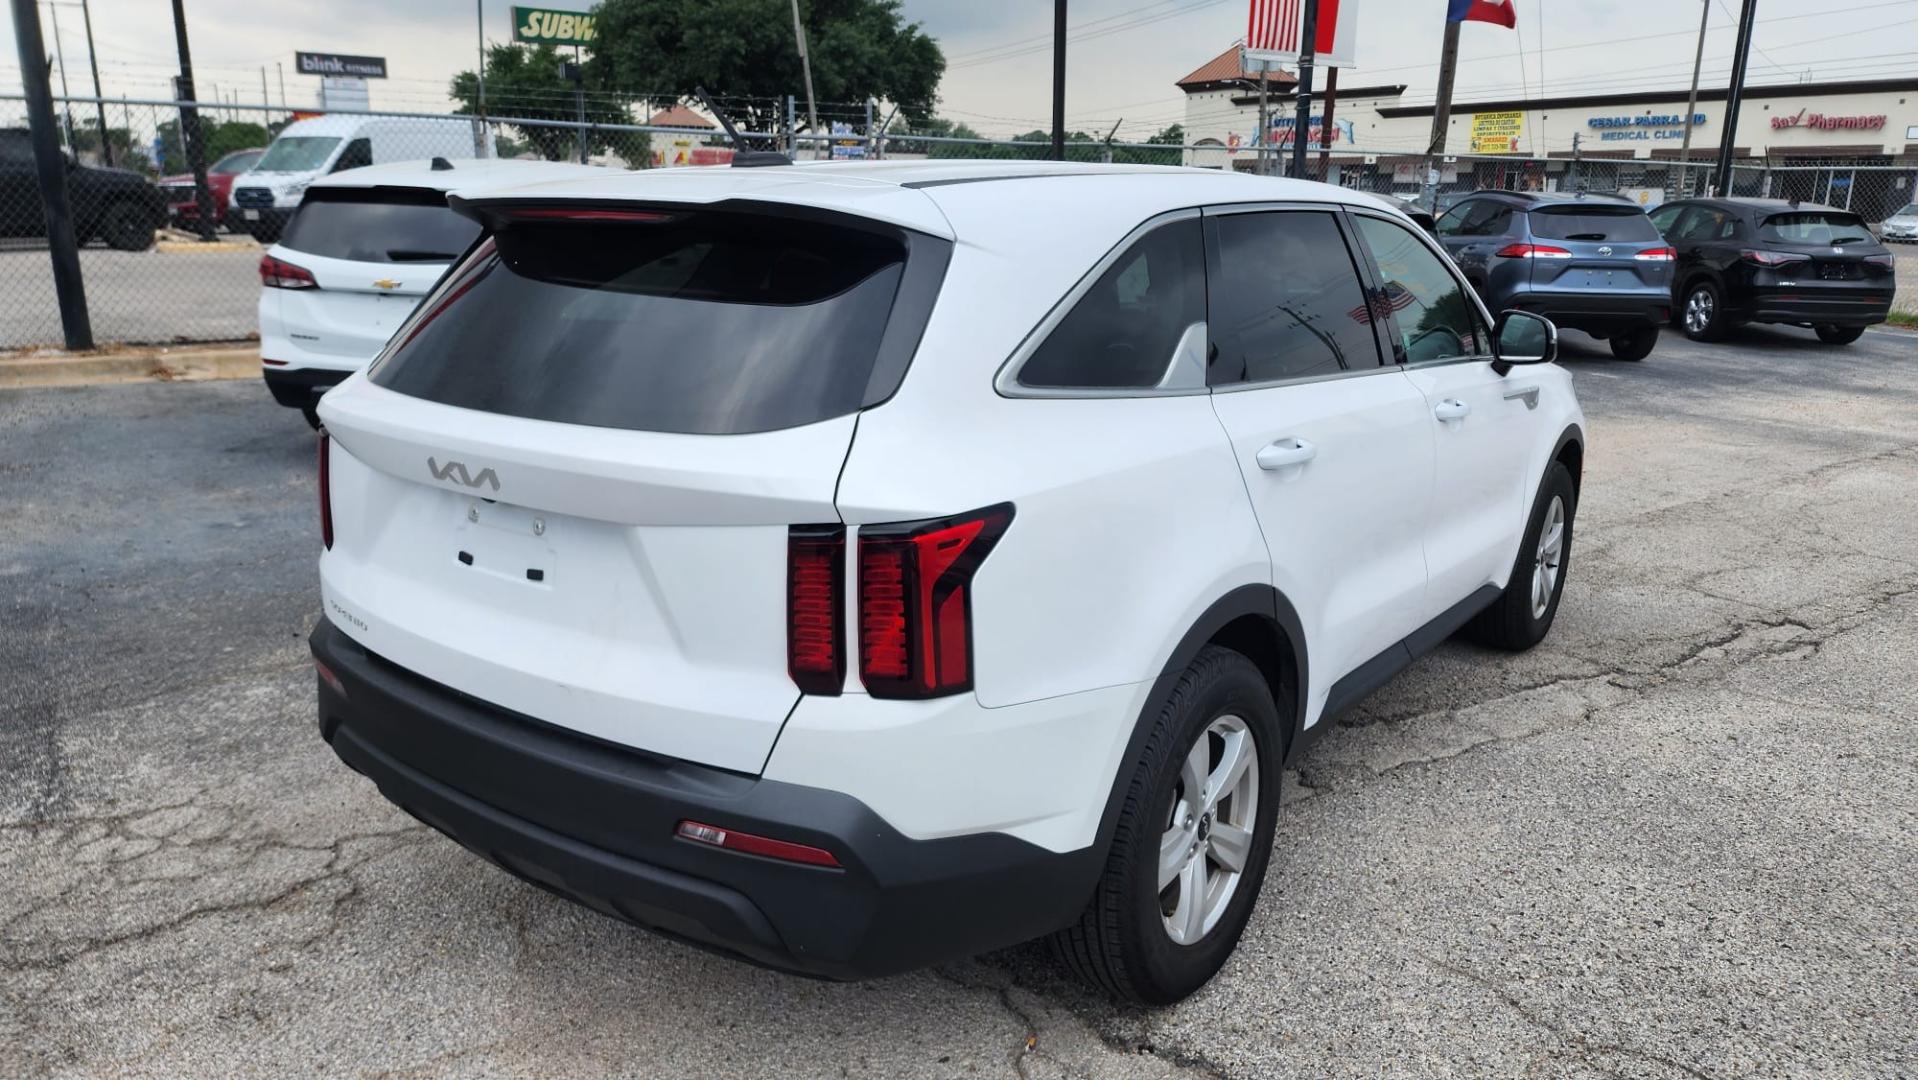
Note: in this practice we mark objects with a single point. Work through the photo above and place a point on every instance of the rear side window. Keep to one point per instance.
(1435, 320)
(379, 225)
(1613, 223)
(1480, 217)
(1286, 302)
(1814, 227)
(695, 322)
(1123, 331)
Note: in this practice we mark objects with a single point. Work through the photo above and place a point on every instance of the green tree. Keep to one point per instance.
(86, 143)
(526, 82)
(220, 138)
(743, 50)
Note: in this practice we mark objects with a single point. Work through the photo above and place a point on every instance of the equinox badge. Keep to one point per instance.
(456, 470)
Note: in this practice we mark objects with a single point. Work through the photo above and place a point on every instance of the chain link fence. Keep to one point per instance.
(167, 260)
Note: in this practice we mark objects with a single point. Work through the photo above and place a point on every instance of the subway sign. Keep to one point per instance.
(547, 26)
(1623, 128)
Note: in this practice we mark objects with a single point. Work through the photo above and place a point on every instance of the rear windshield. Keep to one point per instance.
(698, 322)
(297, 153)
(379, 225)
(1815, 227)
(1627, 223)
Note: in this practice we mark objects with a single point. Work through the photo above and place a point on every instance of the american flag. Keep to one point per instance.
(1273, 27)
(1393, 297)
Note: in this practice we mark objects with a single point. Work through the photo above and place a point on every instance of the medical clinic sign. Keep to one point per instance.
(545, 26)
(1829, 123)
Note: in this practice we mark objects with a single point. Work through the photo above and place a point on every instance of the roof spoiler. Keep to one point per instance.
(742, 157)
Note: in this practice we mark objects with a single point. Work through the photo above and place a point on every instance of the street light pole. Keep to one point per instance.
(190, 124)
(805, 67)
(1302, 126)
(51, 171)
(1058, 80)
(1728, 141)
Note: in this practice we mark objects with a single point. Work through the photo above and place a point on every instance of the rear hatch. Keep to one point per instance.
(373, 253)
(1606, 246)
(567, 487)
(1845, 259)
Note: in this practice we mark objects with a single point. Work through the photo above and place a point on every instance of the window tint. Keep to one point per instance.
(1435, 319)
(379, 225)
(1123, 331)
(704, 323)
(1287, 301)
(1482, 217)
(1815, 227)
(238, 161)
(358, 154)
(1627, 223)
(1665, 217)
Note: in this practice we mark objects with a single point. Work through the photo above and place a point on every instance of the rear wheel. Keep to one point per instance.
(1635, 344)
(1523, 613)
(126, 227)
(1703, 314)
(1839, 335)
(1193, 838)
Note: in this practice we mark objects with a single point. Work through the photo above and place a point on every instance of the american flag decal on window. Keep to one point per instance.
(1393, 297)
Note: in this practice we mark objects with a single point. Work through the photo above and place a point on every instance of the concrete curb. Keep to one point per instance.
(130, 365)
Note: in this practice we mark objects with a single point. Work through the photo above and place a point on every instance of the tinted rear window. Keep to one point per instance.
(702, 323)
(379, 225)
(1814, 227)
(1627, 223)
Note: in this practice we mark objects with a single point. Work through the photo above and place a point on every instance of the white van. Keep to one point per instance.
(309, 149)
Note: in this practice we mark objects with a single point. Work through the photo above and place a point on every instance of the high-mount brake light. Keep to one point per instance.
(915, 601)
(1660, 254)
(1532, 251)
(816, 607)
(747, 843)
(583, 213)
(280, 274)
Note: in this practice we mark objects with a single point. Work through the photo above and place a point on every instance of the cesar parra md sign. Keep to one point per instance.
(1619, 128)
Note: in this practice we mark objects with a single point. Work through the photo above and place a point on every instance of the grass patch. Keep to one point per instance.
(1906, 319)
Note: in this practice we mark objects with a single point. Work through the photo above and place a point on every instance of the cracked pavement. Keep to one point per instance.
(1679, 839)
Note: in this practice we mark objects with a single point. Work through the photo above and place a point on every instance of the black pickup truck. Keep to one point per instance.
(116, 206)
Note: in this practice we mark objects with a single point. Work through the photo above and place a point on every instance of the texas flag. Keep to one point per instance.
(1491, 11)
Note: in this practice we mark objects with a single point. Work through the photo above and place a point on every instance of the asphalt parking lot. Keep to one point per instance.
(1679, 839)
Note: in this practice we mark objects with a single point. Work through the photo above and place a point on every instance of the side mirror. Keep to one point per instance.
(1524, 338)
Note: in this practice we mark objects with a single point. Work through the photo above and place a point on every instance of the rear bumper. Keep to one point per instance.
(1808, 307)
(299, 388)
(595, 823)
(1596, 310)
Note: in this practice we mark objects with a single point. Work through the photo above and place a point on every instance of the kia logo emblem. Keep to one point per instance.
(456, 470)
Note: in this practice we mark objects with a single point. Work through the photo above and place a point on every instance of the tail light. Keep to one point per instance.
(1773, 258)
(816, 607)
(1663, 254)
(1884, 261)
(915, 602)
(280, 274)
(1532, 251)
(326, 493)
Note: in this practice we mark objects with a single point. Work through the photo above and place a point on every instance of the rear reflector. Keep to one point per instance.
(326, 493)
(1663, 254)
(702, 833)
(816, 607)
(1532, 251)
(280, 274)
(915, 602)
(328, 677)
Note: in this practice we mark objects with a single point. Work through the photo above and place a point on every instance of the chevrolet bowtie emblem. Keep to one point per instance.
(386, 283)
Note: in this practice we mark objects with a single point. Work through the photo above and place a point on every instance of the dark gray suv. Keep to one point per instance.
(1589, 262)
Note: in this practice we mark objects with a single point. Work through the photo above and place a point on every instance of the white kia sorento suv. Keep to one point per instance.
(855, 566)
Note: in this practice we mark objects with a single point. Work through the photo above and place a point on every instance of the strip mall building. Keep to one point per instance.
(1847, 143)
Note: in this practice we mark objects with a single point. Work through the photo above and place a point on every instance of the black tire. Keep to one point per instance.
(1712, 326)
(1512, 623)
(312, 414)
(1635, 344)
(126, 227)
(1839, 335)
(1121, 943)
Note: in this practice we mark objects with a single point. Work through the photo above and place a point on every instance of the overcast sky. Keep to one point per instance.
(999, 66)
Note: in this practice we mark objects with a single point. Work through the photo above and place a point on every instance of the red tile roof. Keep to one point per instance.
(1228, 66)
(679, 116)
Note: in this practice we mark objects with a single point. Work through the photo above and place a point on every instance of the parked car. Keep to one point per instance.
(309, 149)
(1588, 262)
(364, 247)
(118, 207)
(1771, 261)
(1156, 472)
(1420, 215)
(1901, 227)
(183, 205)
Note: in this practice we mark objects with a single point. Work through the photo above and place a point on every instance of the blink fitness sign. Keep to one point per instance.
(1622, 128)
(1829, 123)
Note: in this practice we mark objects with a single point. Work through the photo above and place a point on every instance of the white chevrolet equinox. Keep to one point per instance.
(851, 567)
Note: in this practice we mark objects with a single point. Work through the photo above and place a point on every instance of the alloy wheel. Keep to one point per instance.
(1208, 835)
(1699, 309)
(1551, 555)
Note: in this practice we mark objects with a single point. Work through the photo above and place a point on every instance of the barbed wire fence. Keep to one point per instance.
(154, 274)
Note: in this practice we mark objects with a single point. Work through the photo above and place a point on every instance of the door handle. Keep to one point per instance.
(1286, 453)
(1452, 409)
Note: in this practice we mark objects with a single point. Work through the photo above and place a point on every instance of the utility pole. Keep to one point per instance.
(66, 105)
(1302, 126)
(1058, 80)
(1108, 138)
(1441, 115)
(190, 123)
(1578, 138)
(99, 102)
(1325, 123)
(50, 168)
(1265, 121)
(266, 98)
(1747, 15)
(1691, 103)
(805, 67)
(479, 26)
(279, 71)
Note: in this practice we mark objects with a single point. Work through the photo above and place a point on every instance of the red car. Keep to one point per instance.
(184, 209)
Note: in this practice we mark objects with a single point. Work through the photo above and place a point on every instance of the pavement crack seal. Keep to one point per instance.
(1587, 1050)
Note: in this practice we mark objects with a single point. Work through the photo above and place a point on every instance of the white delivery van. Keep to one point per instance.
(306, 150)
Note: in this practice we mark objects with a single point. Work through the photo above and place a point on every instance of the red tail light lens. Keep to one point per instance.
(1880, 260)
(1663, 254)
(733, 840)
(1774, 258)
(280, 274)
(326, 493)
(816, 607)
(915, 602)
(1532, 251)
(584, 213)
